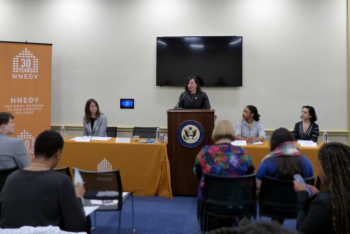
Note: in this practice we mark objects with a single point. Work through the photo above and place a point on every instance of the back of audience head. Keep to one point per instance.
(279, 136)
(333, 169)
(248, 227)
(223, 130)
(48, 144)
(287, 166)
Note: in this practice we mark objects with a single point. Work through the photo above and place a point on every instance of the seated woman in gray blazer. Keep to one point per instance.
(95, 123)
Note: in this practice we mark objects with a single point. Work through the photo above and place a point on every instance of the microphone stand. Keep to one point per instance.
(176, 106)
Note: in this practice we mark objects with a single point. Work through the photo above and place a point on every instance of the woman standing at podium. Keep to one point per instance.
(249, 128)
(307, 129)
(95, 123)
(193, 97)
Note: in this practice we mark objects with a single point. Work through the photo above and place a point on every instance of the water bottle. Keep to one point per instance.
(157, 135)
(325, 137)
(63, 132)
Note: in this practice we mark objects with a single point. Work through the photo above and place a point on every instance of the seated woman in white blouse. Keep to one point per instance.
(250, 128)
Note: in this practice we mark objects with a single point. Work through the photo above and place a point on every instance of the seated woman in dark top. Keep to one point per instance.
(39, 196)
(193, 97)
(328, 211)
(307, 129)
(221, 159)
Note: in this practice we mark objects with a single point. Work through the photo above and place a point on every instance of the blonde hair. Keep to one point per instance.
(222, 130)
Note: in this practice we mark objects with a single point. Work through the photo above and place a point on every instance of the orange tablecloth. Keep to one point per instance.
(258, 152)
(144, 168)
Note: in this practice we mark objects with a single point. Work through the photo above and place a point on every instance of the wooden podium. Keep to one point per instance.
(182, 158)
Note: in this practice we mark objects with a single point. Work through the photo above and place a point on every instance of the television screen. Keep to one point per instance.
(216, 61)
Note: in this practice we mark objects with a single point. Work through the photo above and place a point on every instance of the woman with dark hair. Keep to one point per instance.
(307, 129)
(193, 97)
(284, 160)
(250, 128)
(95, 122)
(38, 196)
(328, 211)
(222, 159)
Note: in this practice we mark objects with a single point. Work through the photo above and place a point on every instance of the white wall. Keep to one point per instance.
(294, 53)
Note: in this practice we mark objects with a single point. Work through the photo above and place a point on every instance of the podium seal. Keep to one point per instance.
(190, 134)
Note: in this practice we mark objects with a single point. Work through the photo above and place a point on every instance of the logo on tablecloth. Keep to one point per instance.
(190, 134)
(104, 165)
(29, 142)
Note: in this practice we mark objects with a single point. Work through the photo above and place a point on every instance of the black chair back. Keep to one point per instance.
(111, 131)
(64, 170)
(277, 198)
(96, 182)
(229, 196)
(145, 132)
(3, 176)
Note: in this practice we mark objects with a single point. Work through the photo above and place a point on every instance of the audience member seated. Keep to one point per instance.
(248, 227)
(13, 152)
(328, 211)
(249, 128)
(307, 129)
(284, 161)
(221, 159)
(39, 196)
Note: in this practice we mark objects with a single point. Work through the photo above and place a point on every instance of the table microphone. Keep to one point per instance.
(176, 106)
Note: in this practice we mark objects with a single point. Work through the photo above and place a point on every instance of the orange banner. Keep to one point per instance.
(25, 78)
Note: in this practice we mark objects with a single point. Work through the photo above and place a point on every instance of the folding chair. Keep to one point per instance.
(278, 199)
(98, 182)
(228, 197)
(111, 131)
(145, 132)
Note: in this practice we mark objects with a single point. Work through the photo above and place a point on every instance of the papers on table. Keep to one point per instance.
(257, 143)
(307, 143)
(122, 140)
(82, 139)
(104, 203)
(239, 142)
(89, 209)
(109, 194)
(100, 138)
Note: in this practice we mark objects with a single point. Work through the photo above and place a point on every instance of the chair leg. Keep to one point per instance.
(120, 219)
(133, 217)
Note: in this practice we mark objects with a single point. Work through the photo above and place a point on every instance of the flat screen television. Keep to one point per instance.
(215, 60)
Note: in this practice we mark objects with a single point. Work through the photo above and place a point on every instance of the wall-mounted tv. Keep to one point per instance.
(215, 60)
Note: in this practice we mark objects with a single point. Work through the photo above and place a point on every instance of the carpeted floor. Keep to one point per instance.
(156, 215)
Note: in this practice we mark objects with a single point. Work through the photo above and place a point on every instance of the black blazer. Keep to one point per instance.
(311, 134)
(314, 215)
(201, 101)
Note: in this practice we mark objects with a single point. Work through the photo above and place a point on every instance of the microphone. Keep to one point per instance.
(176, 106)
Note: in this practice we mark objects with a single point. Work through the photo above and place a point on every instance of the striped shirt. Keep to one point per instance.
(312, 132)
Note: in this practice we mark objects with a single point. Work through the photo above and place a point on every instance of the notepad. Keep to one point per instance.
(122, 140)
(239, 142)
